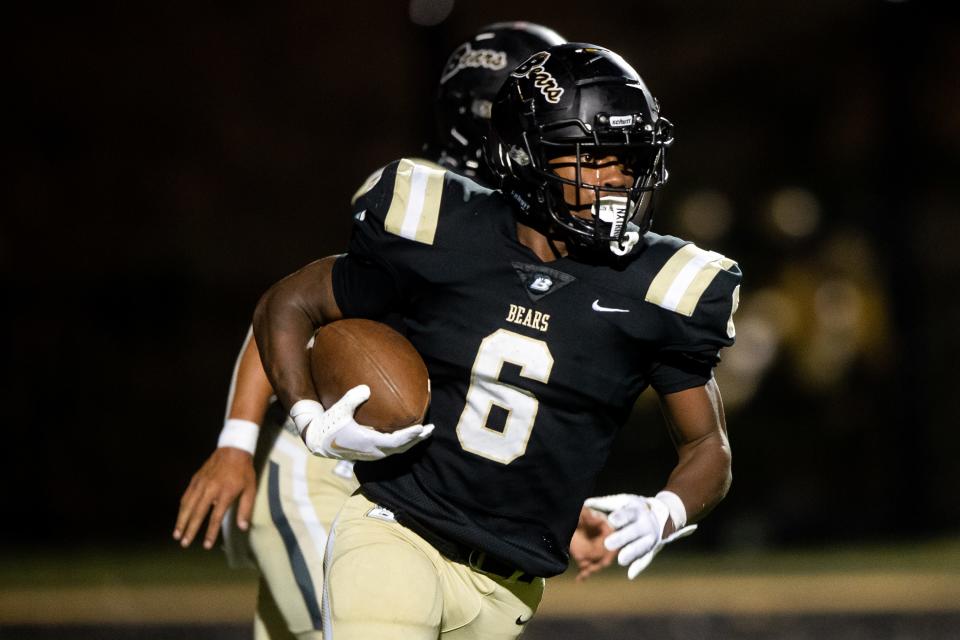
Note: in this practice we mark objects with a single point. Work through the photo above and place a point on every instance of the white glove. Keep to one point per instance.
(639, 522)
(333, 433)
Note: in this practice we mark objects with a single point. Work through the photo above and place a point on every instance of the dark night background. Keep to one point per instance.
(165, 163)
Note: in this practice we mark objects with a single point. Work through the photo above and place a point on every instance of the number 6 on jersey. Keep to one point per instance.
(486, 390)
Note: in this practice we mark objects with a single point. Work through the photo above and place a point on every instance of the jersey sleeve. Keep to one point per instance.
(395, 217)
(698, 292)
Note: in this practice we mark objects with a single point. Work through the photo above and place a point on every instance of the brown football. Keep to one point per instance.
(350, 352)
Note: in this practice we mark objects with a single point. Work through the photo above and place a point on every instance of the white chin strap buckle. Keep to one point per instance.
(630, 240)
(613, 211)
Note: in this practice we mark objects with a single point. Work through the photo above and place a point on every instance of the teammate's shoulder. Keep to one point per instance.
(410, 196)
(680, 276)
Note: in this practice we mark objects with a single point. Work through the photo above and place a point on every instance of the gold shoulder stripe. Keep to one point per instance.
(368, 184)
(685, 276)
(374, 178)
(415, 206)
(427, 163)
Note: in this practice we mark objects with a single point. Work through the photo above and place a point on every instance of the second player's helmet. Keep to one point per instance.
(579, 100)
(469, 82)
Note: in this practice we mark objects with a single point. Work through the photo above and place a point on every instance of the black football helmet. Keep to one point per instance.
(469, 82)
(584, 101)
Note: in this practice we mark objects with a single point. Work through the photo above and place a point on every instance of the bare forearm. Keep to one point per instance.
(703, 475)
(250, 390)
(285, 319)
(282, 330)
(698, 428)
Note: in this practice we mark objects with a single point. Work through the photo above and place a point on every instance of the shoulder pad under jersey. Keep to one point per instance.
(686, 273)
(406, 197)
(374, 177)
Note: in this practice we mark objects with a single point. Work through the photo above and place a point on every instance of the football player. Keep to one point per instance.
(542, 310)
(289, 511)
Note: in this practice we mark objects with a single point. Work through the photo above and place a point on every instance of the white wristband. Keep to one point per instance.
(678, 513)
(240, 434)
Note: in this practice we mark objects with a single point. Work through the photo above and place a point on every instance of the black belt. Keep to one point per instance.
(480, 561)
(476, 560)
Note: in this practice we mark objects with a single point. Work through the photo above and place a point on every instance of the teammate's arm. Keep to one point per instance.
(228, 474)
(285, 319)
(587, 550)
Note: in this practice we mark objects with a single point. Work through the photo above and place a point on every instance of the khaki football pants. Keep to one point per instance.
(384, 581)
(298, 496)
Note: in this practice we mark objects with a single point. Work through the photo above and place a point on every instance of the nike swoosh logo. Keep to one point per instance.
(521, 621)
(336, 447)
(596, 307)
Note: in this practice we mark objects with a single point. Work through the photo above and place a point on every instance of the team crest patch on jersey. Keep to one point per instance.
(466, 57)
(682, 280)
(539, 281)
(360, 216)
(540, 284)
(381, 513)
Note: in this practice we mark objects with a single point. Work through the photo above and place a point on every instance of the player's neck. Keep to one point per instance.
(545, 248)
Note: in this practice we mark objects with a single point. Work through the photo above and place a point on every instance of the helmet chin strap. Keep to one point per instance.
(622, 248)
(612, 210)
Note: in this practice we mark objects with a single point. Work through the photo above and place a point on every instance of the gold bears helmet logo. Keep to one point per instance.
(466, 57)
(542, 79)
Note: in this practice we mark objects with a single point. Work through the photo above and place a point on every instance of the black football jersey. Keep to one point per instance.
(533, 366)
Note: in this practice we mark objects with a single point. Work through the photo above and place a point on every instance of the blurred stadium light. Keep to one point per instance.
(705, 216)
(428, 13)
(795, 212)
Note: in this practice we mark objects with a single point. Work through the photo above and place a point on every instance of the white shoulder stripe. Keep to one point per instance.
(414, 209)
(416, 202)
(684, 277)
(374, 178)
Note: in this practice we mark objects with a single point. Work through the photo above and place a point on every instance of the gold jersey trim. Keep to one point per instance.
(685, 276)
(374, 178)
(415, 206)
